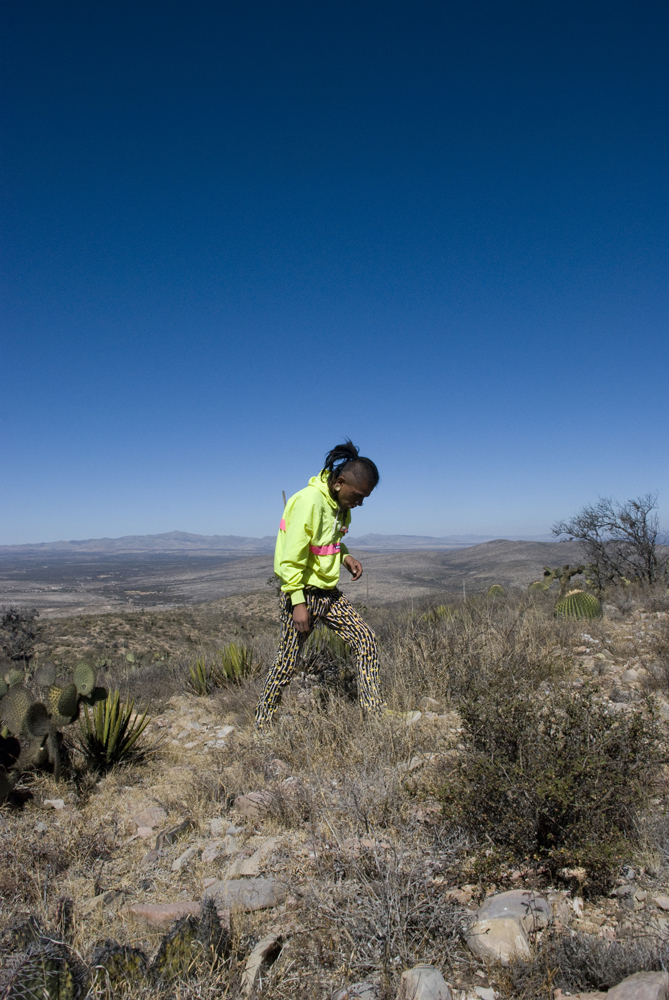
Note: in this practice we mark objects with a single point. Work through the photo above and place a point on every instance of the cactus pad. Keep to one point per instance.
(45, 675)
(32, 755)
(497, 590)
(14, 677)
(62, 703)
(46, 969)
(6, 784)
(3, 687)
(537, 587)
(118, 965)
(578, 605)
(14, 707)
(177, 949)
(37, 722)
(84, 678)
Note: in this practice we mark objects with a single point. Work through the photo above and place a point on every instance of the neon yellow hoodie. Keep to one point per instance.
(309, 549)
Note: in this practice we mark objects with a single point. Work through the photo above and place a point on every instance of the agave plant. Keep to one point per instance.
(200, 678)
(111, 734)
(236, 663)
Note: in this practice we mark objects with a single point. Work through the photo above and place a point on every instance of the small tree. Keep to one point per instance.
(17, 633)
(622, 541)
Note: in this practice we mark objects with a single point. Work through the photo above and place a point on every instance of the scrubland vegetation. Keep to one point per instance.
(539, 761)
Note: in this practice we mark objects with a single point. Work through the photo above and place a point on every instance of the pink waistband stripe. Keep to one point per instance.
(282, 525)
(325, 550)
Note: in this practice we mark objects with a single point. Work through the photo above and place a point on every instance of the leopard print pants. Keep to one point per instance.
(334, 610)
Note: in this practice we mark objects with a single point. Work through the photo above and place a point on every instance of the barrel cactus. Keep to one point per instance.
(497, 590)
(577, 604)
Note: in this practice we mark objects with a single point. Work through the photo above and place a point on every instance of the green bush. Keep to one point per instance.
(111, 734)
(234, 663)
(550, 776)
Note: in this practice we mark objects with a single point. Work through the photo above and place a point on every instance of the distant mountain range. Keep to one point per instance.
(182, 542)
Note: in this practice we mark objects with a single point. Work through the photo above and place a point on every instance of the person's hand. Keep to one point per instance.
(301, 617)
(353, 566)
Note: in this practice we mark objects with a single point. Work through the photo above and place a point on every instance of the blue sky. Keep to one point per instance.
(235, 233)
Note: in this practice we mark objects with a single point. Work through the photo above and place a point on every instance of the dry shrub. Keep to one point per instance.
(444, 656)
(578, 963)
(548, 774)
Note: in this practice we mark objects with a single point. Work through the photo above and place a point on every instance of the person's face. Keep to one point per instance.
(351, 493)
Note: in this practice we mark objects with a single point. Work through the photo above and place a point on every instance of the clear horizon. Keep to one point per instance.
(234, 235)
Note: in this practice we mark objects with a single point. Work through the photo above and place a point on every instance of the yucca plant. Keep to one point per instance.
(236, 663)
(111, 732)
(200, 678)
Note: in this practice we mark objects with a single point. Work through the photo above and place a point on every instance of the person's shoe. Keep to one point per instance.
(408, 718)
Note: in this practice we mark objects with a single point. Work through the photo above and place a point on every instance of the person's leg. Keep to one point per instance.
(343, 619)
(283, 667)
(287, 655)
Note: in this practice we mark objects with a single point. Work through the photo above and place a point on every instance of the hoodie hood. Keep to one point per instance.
(320, 482)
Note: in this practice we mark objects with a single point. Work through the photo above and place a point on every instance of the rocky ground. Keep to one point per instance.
(321, 844)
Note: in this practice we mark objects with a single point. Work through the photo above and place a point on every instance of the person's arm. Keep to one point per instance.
(299, 532)
(353, 566)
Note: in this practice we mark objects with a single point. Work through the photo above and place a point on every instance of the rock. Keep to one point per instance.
(154, 816)
(110, 898)
(500, 939)
(161, 914)
(41, 827)
(423, 982)
(531, 911)
(247, 894)
(252, 865)
(358, 991)
(661, 901)
(429, 705)
(485, 992)
(267, 950)
(641, 986)
(255, 805)
(212, 850)
(144, 832)
(54, 803)
(218, 826)
(184, 858)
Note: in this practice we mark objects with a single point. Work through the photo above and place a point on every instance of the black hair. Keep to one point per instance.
(345, 455)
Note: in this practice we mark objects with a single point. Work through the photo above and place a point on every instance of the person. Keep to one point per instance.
(308, 556)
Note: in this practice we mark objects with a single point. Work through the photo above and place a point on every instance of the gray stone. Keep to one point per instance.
(111, 898)
(255, 805)
(358, 991)
(500, 939)
(252, 865)
(184, 858)
(423, 982)
(151, 817)
(641, 986)
(161, 914)
(267, 950)
(531, 911)
(661, 901)
(218, 826)
(247, 894)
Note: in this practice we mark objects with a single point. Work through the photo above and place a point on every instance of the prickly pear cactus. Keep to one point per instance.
(14, 709)
(578, 605)
(118, 965)
(497, 590)
(84, 679)
(35, 723)
(46, 970)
